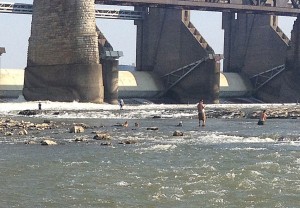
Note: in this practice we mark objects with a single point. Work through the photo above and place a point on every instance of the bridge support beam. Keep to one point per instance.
(63, 55)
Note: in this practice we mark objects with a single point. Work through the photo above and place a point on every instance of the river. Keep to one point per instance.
(228, 163)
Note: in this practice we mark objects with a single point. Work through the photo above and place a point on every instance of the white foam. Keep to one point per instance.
(159, 147)
(123, 183)
(149, 109)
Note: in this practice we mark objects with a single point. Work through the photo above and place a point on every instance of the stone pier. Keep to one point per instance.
(63, 55)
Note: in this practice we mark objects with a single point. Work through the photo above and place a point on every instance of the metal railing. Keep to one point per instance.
(18, 8)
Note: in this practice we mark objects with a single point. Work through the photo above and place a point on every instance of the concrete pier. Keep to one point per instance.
(252, 43)
(167, 41)
(63, 56)
(285, 87)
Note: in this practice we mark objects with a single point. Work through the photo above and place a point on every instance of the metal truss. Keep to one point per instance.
(18, 8)
(15, 8)
(173, 78)
(119, 14)
(273, 7)
(259, 80)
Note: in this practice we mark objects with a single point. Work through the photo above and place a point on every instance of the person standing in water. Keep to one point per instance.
(121, 103)
(201, 113)
(262, 118)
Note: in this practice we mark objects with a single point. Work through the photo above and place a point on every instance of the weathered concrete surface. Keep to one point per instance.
(285, 87)
(109, 69)
(251, 44)
(254, 44)
(202, 83)
(165, 43)
(110, 80)
(63, 57)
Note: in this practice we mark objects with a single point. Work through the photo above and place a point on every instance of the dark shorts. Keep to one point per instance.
(201, 116)
(260, 122)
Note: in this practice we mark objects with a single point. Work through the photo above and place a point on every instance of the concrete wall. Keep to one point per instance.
(137, 84)
(110, 80)
(286, 86)
(165, 43)
(63, 57)
(251, 45)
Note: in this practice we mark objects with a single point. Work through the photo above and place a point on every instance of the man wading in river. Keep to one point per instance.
(201, 113)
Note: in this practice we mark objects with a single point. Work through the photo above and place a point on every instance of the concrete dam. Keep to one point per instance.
(73, 60)
(131, 84)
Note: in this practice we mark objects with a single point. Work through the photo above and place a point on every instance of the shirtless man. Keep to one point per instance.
(262, 118)
(201, 113)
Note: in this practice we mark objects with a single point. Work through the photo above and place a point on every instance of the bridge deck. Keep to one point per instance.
(218, 5)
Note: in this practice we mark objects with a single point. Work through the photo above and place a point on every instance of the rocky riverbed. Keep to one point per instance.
(31, 126)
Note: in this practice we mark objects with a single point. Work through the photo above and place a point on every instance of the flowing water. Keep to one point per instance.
(228, 163)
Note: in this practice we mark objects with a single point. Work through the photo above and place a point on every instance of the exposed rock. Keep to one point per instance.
(126, 124)
(80, 140)
(8, 133)
(106, 144)
(128, 142)
(76, 129)
(28, 112)
(48, 142)
(225, 113)
(85, 126)
(180, 124)
(102, 136)
(154, 128)
(30, 142)
(119, 125)
(42, 126)
(177, 133)
(288, 139)
(23, 132)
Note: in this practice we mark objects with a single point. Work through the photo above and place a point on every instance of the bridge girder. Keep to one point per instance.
(20, 8)
(221, 6)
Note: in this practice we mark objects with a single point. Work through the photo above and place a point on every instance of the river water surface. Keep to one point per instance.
(228, 163)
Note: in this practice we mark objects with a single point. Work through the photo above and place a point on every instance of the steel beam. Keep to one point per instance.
(202, 5)
(17, 8)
